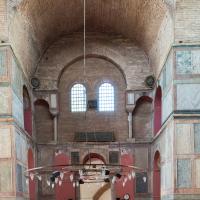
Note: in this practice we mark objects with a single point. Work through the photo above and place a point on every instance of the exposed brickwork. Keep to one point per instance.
(128, 57)
(43, 122)
(187, 21)
(97, 72)
(3, 21)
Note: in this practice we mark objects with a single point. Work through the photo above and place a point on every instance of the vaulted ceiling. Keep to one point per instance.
(48, 20)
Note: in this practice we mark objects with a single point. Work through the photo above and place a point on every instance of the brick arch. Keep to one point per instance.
(93, 156)
(142, 118)
(74, 60)
(127, 58)
(43, 121)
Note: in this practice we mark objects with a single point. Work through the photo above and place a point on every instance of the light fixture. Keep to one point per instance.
(81, 173)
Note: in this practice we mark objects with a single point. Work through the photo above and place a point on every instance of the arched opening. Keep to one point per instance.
(95, 191)
(92, 157)
(31, 165)
(156, 177)
(65, 190)
(27, 111)
(43, 122)
(158, 110)
(142, 118)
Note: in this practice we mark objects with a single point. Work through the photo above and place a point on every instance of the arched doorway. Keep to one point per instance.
(156, 177)
(31, 165)
(95, 191)
(158, 110)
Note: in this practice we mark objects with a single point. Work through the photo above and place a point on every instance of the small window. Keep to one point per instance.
(78, 98)
(106, 97)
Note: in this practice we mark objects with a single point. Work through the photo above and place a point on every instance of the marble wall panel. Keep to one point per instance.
(167, 104)
(19, 183)
(166, 176)
(18, 111)
(167, 74)
(188, 62)
(5, 176)
(21, 147)
(3, 67)
(197, 138)
(183, 139)
(17, 80)
(184, 173)
(5, 100)
(197, 173)
(188, 96)
(5, 142)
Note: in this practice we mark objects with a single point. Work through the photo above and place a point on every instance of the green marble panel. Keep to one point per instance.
(184, 173)
(5, 176)
(3, 69)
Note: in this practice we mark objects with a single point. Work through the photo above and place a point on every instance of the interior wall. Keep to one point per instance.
(43, 122)
(97, 71)
(142, 119)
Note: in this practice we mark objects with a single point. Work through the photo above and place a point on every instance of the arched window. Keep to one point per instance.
(106, 97)
(78, 98)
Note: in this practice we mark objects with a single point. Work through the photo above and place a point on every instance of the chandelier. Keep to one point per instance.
(78, 174)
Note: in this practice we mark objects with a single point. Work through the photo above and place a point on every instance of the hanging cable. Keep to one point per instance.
(84, 36)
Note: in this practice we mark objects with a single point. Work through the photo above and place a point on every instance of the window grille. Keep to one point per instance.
(106, 97)
(78, 98)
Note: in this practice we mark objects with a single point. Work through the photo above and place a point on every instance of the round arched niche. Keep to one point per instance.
(97, 71)
(43, 122)
(142, 119)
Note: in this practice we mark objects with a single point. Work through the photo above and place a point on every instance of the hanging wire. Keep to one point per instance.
(84, 36)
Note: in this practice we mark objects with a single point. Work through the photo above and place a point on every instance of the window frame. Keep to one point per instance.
(72, 86)
(114, 97)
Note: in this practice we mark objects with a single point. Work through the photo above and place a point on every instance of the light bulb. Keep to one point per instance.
(60, 183)
(144, 179)
(27, 181)
(32, 176)
(74, 184)
(56, 180)
(71, 177)
(48, 183)
(77, 184)
(80, 172)
(53, 185)
(113, 179)
(62, 175)
(39, 178)
(133, 174)
(129, 176)
(125, 179)
(123, 184)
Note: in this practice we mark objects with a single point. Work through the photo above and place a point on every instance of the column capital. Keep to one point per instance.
(130, 108)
